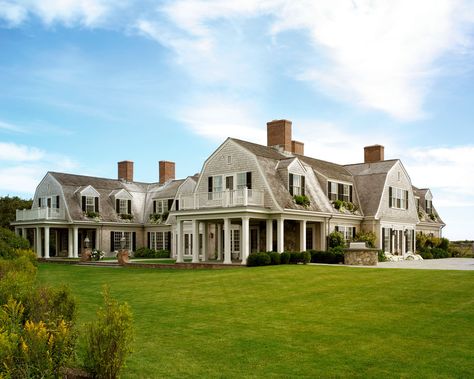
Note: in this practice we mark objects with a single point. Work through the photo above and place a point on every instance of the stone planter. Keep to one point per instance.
(359, 255)
(123, 257)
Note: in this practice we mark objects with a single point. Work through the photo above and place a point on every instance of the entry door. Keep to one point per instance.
(235, 241)
(254, 239)
(309, 237)
(398, 242)
(229, 183)
(188, 244)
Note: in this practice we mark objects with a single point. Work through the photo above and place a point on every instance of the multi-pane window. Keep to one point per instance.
(417, 200)
(123, 206)
(296, 184)
(429, 206)
(90, 204)
(398, 198)
(241, 180)
(347, 231)
(339, 191)
(159, 240)
(386, 240)
(217, 184)
(162, 206)
(117, 240)
(409, 240)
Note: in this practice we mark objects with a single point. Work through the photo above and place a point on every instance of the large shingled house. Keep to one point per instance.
(247, 198)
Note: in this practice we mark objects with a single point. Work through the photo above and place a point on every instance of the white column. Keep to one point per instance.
(244, 246)
(17, 231)
(195, 226)
(323, 226)
(227, 256)
(303, 235)
(23, 232)
(97, 239)
(75, 241)
(38, 242)
(280, 235)
(46, 241)
(205, 237)
(269, 234)
(219, 241)
(70, 243)
(179, 242)
(172, 243)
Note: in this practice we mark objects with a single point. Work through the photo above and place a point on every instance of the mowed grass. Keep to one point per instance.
(287, 321)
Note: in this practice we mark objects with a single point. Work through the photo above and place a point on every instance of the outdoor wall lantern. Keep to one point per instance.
(122, 242)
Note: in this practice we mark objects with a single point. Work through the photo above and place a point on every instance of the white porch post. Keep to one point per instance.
(46, 241)
(280, 235)
(97, 239)
(245, 239)
(75, 241)
(23, 232)
(269, 234)
(303, 235)
(205, 237)
(70, 243)
(195, 226)
(179, 242)
(17, 231)
(227, 256)
(219, 242)
(38, 242)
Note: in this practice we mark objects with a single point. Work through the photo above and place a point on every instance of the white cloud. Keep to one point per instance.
(12, 13)
(10, 127)
(20, 153)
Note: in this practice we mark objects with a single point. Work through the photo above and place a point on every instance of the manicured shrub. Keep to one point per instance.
(368, 237)
(426, 254)
(258, 259)
(295, 257)
(274, 258)
(108, 339)
(332, 256)
(145, 252)
(439, 253)
(336, 239)
(305, 257)
(381, 256)
(284, 258)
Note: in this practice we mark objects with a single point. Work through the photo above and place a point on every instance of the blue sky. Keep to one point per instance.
(86, 83)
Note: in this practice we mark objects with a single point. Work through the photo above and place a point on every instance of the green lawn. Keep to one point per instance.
(288, 321)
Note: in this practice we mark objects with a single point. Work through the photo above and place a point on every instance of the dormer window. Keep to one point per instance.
(123, 206)
(90, 204)
(296, 184)
(161, 206)
(398, 198)
(429, 206)
(339, 191)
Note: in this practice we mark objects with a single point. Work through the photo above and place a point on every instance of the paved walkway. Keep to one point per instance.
(433, 264)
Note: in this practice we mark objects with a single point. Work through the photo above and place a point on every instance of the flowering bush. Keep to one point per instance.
(97, 255)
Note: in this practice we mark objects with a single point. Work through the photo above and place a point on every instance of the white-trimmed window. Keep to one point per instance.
(339, 191)
(398, 198)
(159, 240)
(161, 206)
(347, 231)
(118, 237)
(123, 206)
(296, 184)
(217, 184)
(241, 180)
(90, 204)
(429, 206)
(387, 240)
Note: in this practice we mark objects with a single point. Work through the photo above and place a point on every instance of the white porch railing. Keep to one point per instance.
(40, 214)
(236, 198)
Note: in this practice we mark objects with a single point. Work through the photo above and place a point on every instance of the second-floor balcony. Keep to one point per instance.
(40, 214)
(236, 198)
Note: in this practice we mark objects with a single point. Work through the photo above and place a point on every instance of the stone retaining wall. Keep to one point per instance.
(361, 257)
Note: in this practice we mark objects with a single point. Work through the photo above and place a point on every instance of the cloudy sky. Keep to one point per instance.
(86, 83)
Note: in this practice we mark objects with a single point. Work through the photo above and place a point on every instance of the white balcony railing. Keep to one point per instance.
(40, 214)
(236, 198)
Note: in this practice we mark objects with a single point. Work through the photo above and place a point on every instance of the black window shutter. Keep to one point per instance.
(329, 189)
(303, 192)
(353, 232)
(390, 202)
(406, 199)
(117, 205)
(209, 184)
(148, 242)
(112, 247)
(168, 245)
(383, 239)
(176, 206)
(350, 194)
(413, 240)
(39, 202)
(170, 204)
(340, 191)
(336, 228)
(290, 184)
(129, 207)
(57, 201)
(83, 203)
(390, 240)
(249, 180)
(134, 241)
(96, 204)
(154, 206)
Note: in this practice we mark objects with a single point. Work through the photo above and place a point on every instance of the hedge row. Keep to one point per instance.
(145, 252)
(272, 258)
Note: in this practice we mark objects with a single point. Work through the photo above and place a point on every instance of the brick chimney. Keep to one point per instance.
(166, 169)
(374, 153)
(297, 147)
(279, 134)
(125, 171)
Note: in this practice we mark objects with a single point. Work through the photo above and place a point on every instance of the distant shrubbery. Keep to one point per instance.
(145, 252)
(432, 247)
(336, 239)
(272, 258)
(333, 256)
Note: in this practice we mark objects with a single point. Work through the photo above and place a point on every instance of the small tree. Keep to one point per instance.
(336, 239)
(367, 237)
(109, 339)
